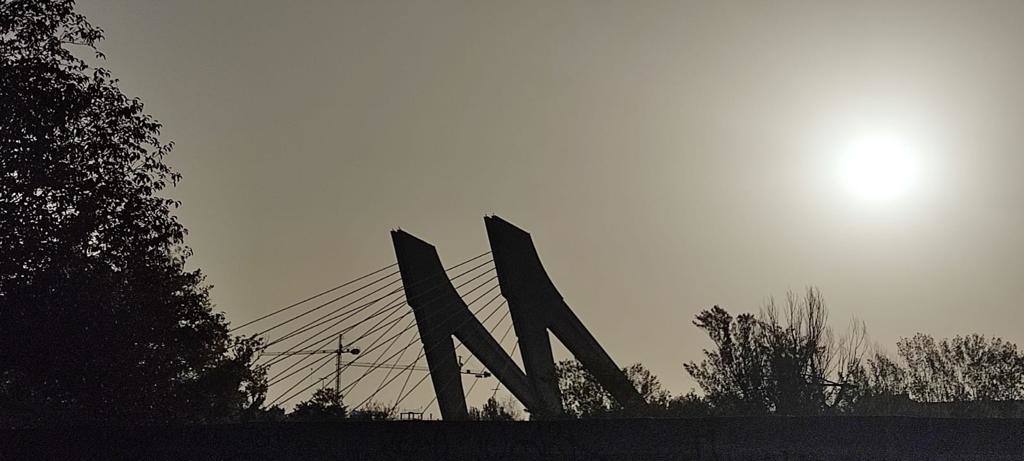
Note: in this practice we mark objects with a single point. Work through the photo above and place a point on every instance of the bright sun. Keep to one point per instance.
(879, 167)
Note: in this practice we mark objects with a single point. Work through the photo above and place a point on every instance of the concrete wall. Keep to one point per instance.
(774, 438)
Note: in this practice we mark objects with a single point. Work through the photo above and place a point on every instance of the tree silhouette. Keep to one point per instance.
(584, 397)
(324, 404)
(99, 318)
(962, 368)
(734, 375)
(374, 411)
(689, 405)
(784, 360)
(495, 410)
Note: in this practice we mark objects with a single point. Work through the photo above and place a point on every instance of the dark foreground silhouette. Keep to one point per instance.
(762, 438)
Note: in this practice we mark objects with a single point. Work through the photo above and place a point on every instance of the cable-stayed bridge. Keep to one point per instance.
(389, 331)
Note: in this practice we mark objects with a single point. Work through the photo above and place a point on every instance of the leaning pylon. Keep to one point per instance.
(536, 307)
(440, 314)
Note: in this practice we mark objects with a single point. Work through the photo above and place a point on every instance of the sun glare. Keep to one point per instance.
(879, 167)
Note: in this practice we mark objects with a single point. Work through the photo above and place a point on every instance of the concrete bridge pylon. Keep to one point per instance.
(536, 307)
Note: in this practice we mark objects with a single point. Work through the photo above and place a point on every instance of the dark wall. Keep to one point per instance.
(773, 438)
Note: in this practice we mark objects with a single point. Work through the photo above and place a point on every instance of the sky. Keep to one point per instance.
(665, 156)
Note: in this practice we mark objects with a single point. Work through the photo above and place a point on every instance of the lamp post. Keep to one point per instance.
(337, 367)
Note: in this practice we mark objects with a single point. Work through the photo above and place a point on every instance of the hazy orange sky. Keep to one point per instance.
(666, 156)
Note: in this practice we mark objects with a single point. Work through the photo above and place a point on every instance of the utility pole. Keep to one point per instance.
(337, 367)
(337, 363)
(337, 371)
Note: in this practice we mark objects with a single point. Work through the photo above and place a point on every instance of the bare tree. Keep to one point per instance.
(785, 360)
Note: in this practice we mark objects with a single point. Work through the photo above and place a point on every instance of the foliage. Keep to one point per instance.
(689, 405)
(885, 377)
(324, 404)
(584, 397)
(963, 368)
(374, 411)
(495, 410)
(733, 376)
(648, 385)
(964, 376)
(94, 294)
(784, 360)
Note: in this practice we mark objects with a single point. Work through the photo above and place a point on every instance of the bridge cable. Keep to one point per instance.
(451, 380)
(500, 320)
(477, 378)
(297, 383)
(378, 326)
(395, 322)
(320, 344)
(502, 340)
(351, 385)
(402, 398)
(405, 384)
(341, 318)
(470, 390)
(320, 321)
(373, 329)
(390, 305)
(336, 314)
(436, 326)
(367, 295)
(291, 351)
(318, 368)
(350, 292)
(343, 285)
(398, 360)
(374, 347)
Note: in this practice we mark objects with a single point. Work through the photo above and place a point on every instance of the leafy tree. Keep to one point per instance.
(648, 385)
(735, 375)
(584, 397)
(374, 411)
(885, 377)
(324, 404)
(966, 376)
(878, 388)
(495, 410)
(99, 318)
(689, 405)
(784, 360)
(963, 368)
